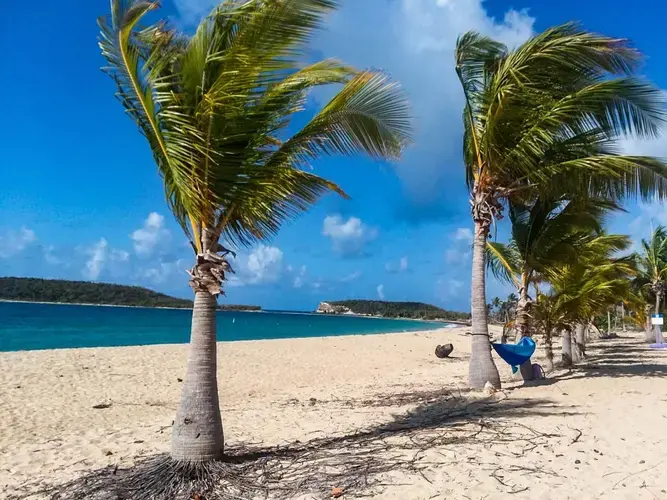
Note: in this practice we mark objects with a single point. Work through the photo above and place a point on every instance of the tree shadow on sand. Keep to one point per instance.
(355, 462)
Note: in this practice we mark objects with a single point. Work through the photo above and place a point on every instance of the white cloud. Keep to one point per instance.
(454, 256)
(351, 277)
(95, 264)
(298, 279)
(163, 271)
(150, 235)
(14, 242)
(380, 290)
(348, 237)
(120, 255)
(265, 265)
(399, 267)
(50, 257)
(463, 234)
(414, 41)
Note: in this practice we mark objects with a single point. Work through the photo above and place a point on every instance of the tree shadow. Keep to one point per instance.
(353, 461)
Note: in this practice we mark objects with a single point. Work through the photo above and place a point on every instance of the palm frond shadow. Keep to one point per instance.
(355, 461)
(621, 359)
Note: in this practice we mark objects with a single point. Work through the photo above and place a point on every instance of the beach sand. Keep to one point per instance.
(595, 432)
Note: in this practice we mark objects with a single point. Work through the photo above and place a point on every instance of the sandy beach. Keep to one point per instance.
(594, 432)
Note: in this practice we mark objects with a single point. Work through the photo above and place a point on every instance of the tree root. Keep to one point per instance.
(358, 463)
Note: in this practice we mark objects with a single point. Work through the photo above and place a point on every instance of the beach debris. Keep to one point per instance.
(312, 401)
(102, 406)
(179, 379)
(443, 351)
(109, 453)
(337, 492)
(489, 388)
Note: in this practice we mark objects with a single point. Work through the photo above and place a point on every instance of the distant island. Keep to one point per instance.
(387, 309)
(86, 292)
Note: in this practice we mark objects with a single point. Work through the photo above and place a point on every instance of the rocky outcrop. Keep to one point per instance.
(326, 308)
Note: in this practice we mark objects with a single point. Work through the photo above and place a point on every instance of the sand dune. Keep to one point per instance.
(595, 432)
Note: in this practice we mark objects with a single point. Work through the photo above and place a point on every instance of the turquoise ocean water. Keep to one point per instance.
(53, 326)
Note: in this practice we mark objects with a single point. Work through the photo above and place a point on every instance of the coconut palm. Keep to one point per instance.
(652, 261)
(214, 108)
(582, 288)
(545, 118)
(544, 234)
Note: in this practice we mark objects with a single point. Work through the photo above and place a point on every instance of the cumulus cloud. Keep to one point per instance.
(150, 235)
(398, 267)
(351, 277)
(299, 278)
(262, 265)
(463, 234)
(380, 291)
(414, 41)
(14, 242)
(348, 237)
(163, 271)
(96, 261)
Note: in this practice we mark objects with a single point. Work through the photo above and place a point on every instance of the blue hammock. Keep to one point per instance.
(516, 354)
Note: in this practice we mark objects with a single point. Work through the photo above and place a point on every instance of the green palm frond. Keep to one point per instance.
(215, 108)
(504, 261)
(547, 116)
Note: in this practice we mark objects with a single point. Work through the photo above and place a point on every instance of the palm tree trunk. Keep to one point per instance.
(548, 350)
(482, 368)
(579, 347)
(658, 328)
(522, 324)
(567, 348)
(608, 322)
(649, 327)
(197, 432)
(623, 315)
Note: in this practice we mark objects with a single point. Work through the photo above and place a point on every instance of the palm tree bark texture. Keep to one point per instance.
(197, 433)
(482, 369)
(579, 344)
(567, 348)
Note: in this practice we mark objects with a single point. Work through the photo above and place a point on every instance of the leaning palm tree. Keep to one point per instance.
(653, 264)
(544, 118)
(544, 234)
(215, 109)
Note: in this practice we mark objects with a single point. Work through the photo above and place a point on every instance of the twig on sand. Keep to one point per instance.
(634, 474)
(357, 462)
(576, 438)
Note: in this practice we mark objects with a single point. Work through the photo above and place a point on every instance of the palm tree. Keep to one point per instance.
(215, 108)
(496, 304)
(584, 287)
(544, 234)
(653, 264)
(544, 118)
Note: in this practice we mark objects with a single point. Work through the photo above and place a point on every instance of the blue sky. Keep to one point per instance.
(80, 197)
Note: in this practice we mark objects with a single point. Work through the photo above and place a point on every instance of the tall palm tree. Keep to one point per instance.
(215, 108)
(544, 234)
(653, 264)
(544, 117)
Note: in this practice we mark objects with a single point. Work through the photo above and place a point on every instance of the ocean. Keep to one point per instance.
(25, 326)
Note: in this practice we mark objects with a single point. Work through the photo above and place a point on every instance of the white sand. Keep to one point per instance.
(593, 433)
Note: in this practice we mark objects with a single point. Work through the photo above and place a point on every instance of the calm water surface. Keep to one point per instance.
(52, 326)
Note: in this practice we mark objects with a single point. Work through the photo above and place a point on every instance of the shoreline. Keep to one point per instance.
(219, 343)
